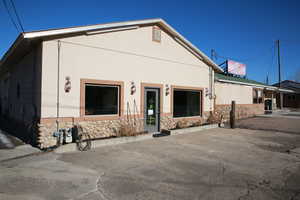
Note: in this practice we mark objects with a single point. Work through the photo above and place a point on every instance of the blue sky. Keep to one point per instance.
(244, 30)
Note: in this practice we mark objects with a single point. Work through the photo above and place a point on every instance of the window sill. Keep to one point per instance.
(99, 117)
(190, 117)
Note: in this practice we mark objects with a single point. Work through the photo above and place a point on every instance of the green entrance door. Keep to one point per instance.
(151, 109)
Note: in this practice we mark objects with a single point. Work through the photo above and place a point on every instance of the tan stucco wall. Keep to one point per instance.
(227, 92)
(113, 56)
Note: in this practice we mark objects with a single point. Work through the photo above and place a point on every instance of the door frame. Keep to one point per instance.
(154, 86)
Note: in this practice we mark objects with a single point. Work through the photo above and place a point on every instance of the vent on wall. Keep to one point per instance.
(156, 34)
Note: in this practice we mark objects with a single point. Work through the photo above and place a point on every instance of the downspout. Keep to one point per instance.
(58, 77)
(210, 88)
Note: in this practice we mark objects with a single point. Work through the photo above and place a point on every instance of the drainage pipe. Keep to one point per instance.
(58, 77)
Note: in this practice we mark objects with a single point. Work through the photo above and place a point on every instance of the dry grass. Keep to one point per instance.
(182, 124)
(213, 118)
(127, 130)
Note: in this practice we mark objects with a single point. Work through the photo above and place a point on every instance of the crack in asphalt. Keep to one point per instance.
(95, 190)
(100, 188)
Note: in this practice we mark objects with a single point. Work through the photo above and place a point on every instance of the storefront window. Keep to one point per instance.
(186, 103)
(101, 99)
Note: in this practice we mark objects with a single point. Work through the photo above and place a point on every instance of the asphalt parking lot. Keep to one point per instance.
(212, 164)
(286, 123)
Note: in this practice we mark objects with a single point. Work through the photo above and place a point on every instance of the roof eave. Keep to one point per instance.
(16, 43)
(273, 88)
(286, 90)
(124, 24)
(55, 32)
(240, 83)
(205, 58)
(84, 29)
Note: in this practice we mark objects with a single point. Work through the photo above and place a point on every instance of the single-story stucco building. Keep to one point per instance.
(251, 97)
(102, 77)
(291, 95)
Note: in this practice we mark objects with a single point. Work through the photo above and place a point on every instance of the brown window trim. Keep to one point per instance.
(151, 85)
(83, 82)
(200, 89)
(153, 30)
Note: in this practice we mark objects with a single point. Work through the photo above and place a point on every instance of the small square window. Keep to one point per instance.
(156, 34)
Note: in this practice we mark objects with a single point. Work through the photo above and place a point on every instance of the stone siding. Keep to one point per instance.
(241, 111)
(95, 129)
(41, 134)
(111, 128)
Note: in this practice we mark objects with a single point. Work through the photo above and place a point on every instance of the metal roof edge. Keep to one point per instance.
(242, 83)
(46, 33)
(52, 32)
(257, 85)
(286, 90)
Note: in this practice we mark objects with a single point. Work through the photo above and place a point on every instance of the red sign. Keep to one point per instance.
(236, 68)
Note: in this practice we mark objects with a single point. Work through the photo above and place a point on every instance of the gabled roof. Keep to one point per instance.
(288, 84)
(41, 35)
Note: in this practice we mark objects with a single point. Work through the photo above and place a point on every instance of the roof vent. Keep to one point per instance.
(156, 34)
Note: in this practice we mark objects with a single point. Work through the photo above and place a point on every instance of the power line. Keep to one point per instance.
(16, 13)
(9, 14)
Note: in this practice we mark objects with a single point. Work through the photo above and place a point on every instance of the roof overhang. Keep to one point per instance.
(270, 88)
(241, 83)
(286, 90)
(41, 35)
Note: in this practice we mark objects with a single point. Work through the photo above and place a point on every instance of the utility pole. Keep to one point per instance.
(279, 68)
(279, 74)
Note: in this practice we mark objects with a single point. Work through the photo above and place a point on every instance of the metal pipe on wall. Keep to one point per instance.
(58, 82)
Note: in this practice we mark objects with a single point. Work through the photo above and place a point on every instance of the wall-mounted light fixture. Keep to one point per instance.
(68, 84)
(132, 88)
(167, 89)
(207, 92)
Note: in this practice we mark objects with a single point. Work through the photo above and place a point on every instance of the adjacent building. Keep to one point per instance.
(251, 97)
(290, 98)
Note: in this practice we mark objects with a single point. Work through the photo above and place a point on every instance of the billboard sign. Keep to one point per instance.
(236, 68)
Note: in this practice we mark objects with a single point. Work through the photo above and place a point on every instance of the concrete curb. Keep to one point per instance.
(278, 116)
(193, 129)
(122, 140)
